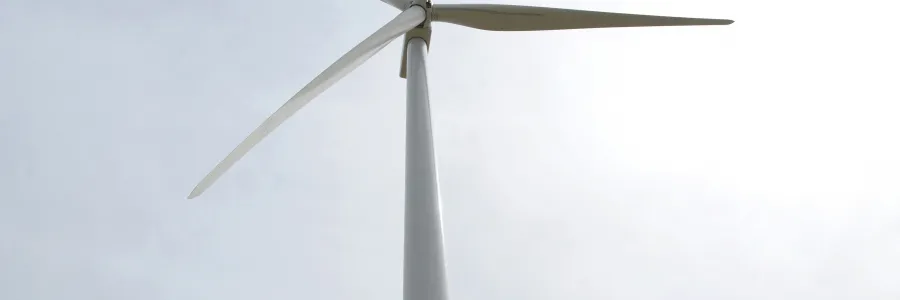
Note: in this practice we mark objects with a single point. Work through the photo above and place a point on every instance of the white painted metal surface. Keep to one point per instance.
(424, 276)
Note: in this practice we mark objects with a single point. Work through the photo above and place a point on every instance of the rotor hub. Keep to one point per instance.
(425, 4)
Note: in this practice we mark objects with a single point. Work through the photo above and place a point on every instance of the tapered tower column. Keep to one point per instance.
(424, 276)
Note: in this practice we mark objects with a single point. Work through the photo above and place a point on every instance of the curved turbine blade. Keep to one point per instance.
(530, 18)
(352, 59)
(399, 4)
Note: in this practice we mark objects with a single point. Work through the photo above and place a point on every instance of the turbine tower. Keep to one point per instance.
(423, 261)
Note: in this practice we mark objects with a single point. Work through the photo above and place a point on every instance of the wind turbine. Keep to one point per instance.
(423, 261)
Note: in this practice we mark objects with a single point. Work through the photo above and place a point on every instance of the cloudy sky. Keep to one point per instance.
(754, 161)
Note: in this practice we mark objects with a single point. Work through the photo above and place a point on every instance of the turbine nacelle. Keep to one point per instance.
(423, 31)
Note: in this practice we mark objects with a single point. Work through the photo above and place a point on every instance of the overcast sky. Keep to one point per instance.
(752, 161)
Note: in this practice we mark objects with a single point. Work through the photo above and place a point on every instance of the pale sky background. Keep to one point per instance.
(753, 161)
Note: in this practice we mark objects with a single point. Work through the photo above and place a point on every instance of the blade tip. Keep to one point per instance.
(196, 192)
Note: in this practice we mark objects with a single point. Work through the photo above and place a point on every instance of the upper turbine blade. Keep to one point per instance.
(529, 18)
(407, 20)
(399, 4)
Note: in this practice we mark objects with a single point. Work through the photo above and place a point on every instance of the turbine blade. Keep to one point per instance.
(399, 4)
(530, 18)
(405, 21)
